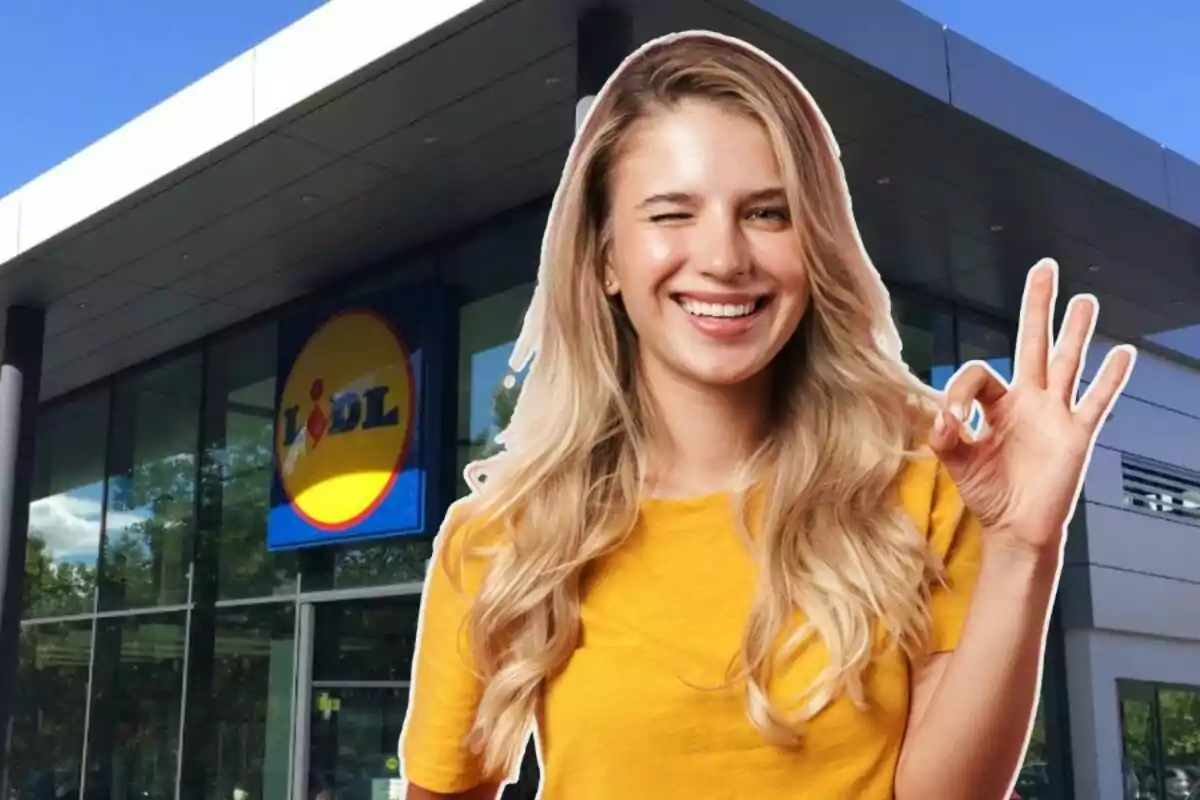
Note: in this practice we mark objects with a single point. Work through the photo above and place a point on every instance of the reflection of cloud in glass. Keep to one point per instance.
(69, 524)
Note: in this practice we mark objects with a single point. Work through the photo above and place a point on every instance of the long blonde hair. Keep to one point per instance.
(831, 540)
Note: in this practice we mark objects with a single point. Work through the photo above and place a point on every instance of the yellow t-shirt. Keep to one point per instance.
(661, 617)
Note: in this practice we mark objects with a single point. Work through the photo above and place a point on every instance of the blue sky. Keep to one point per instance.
(74, 70)
(1136, 60)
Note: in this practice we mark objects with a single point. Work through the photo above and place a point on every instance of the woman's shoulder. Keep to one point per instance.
(926, 491)
(467, 540)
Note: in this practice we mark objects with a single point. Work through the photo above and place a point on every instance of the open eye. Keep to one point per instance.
(770, 214)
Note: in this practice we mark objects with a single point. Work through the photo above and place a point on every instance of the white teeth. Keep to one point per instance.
(699, 309)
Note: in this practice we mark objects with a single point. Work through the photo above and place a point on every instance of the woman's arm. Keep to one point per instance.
(972, 708)
(488, 792)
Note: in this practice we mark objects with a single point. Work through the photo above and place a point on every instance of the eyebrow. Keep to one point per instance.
(668, 197)
(683, 198)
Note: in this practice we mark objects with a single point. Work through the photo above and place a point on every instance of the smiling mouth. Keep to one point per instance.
(709, 310)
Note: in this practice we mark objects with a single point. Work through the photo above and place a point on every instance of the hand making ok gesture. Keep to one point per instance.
(1021, 476)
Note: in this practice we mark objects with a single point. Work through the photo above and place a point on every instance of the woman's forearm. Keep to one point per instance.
(972, 735)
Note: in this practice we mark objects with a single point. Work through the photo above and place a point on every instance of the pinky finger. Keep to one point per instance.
(1107, 386)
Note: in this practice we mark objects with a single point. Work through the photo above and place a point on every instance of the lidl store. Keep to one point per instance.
(263, 327)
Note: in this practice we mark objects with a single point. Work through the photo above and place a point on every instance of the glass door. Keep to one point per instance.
(353, 732)
(355, 664)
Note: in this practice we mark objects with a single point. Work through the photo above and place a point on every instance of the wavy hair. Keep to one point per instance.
(830, 541)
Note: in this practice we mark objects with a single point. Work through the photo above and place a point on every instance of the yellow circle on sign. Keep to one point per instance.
(393, 763)
(345, 420)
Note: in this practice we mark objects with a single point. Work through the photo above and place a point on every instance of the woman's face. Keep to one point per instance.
(704, 254)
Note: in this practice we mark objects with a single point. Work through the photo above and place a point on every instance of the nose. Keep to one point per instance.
(724, 252)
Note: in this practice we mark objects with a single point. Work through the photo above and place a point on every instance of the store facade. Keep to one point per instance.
(197, 654)
(189, 632)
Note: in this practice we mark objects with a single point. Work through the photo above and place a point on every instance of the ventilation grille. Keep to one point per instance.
(1161, 488)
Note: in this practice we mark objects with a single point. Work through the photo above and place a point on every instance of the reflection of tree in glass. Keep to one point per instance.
(47, 735)
(136, 692)
(1180, 715)
(250, 697)
(1135, 719)
(236, 496)
(483, 443)
(145, 562)
(504, 401)
(55, 588)
(393, 561)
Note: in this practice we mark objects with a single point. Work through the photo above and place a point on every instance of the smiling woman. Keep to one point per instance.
(730, 539)
(718, 320)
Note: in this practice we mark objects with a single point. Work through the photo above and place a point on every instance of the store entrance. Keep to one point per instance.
(353, 730)
(354, 697)
(355, 666)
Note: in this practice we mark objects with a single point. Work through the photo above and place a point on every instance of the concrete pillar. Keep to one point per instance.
(20, 385)
(605, 38)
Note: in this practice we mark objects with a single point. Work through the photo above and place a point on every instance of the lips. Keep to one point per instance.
(722, 316)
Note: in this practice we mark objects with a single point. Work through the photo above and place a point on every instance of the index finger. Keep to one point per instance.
(1033, 336)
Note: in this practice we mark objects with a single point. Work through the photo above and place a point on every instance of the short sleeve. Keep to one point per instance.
(445, 691)
(956, 537)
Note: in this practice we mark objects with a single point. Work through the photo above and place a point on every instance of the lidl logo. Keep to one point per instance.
(345, 420)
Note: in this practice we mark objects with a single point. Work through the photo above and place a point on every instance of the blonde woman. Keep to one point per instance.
(732, 547)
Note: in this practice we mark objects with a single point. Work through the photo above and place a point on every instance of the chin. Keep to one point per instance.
(724, 375)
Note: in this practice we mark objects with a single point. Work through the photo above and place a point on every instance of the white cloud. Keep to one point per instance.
(70, 525)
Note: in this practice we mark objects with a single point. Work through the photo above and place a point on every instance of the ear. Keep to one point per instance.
(612, 287)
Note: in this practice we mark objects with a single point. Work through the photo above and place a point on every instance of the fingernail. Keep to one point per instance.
(958, 412)
(939, 424)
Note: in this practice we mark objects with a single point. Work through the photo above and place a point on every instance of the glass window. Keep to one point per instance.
(46, 742)
(137, 687)
(395, 561)
(1139, 770)
(1034, 782)
(237, 736)
(488, 329)
(1179, 719)
(152, 487)
(927, 336)
(238, 463)
(380, 562)
(68, 502)
(366, 640)
(1160, 731)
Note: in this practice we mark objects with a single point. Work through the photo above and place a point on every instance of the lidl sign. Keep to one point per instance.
(346, 419)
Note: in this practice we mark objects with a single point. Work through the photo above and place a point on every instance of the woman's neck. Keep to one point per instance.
(702, 432)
